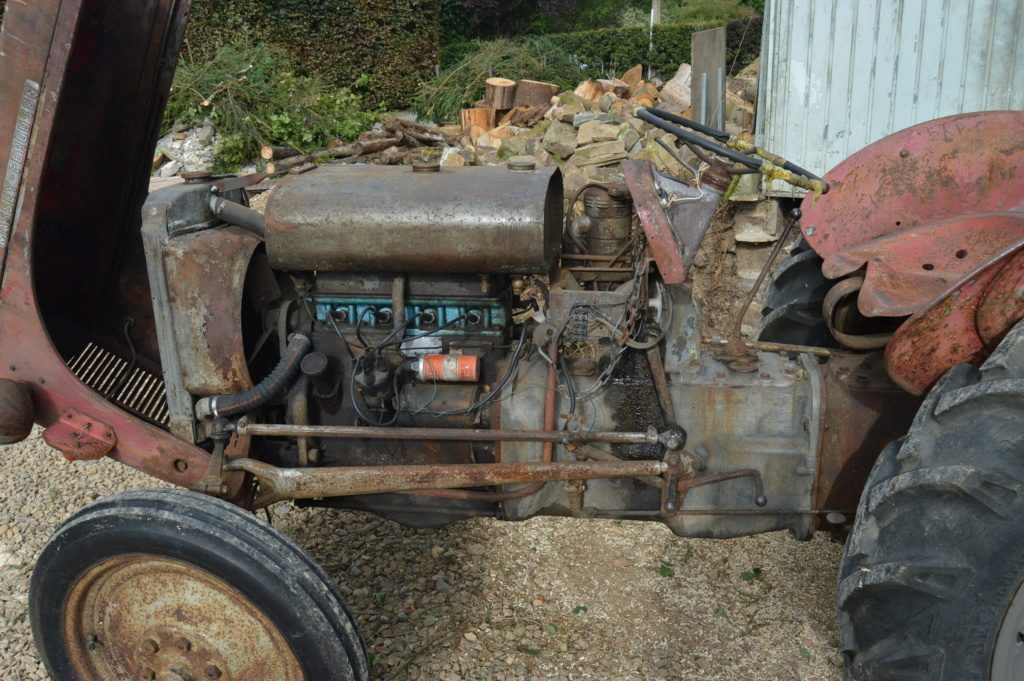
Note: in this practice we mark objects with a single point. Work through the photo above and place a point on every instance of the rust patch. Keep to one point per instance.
(666, 249)
(863, 411)
(206, 281)
(1003, 305)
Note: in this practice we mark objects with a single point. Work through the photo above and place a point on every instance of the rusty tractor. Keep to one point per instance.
(378, 341)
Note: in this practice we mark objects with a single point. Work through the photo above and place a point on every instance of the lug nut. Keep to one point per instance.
(183, 644)
(149, 647)
(90, 641)
(147, 674)
(212, 672)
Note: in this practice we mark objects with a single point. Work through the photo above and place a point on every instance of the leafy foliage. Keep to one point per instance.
(617, 49)
(567, 58)
(462, 84)
(464, 20)
(395, 43)
(751, 575)
(250, 94)
(705, 10)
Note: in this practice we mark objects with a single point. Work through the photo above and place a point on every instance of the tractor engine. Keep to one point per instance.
(430, 301)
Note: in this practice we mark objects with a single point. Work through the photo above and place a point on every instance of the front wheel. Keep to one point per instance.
(168, 584)
(931, 581)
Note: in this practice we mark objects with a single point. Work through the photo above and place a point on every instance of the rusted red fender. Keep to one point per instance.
(907, 270)
(949, 167)
(946, 333)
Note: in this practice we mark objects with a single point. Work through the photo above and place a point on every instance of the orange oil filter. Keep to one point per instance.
(465, 368)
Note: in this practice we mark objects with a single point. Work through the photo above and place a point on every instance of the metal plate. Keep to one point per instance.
(667, 250)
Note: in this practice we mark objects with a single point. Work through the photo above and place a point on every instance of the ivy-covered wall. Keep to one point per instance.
(395, 43)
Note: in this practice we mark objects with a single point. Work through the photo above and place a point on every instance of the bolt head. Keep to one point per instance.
(147, 674)
(670, 505)
(674, 461)
(149, 646)
(183, 644)
(212, 672)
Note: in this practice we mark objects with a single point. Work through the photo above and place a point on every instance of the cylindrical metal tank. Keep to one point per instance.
(392, 219)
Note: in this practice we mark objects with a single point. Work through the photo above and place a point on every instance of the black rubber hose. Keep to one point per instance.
(278, 380)
(660, 119)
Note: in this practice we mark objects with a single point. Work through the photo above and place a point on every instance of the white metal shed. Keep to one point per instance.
(837, 75)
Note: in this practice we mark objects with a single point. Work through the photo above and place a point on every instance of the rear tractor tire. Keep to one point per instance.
(792, 310)
(168, 584)
(930, 587)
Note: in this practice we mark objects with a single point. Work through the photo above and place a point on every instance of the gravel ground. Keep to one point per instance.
(543, 600)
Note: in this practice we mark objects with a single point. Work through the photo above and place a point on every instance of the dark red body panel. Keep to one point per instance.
(80, 54)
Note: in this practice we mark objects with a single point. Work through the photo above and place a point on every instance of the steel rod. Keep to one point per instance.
(773, 347)
(277, 484)
(443, 434)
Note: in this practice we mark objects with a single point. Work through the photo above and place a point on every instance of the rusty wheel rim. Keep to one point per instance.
(147, 617)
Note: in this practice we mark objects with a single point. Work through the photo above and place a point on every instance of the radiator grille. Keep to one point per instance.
(142, 392)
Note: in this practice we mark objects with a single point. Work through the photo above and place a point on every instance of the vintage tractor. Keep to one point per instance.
(383, 339)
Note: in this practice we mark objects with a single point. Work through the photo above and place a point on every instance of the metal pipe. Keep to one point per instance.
(398, 305)
(600, 455)
(773, 347)
(443, 434)
(661, 383)
(277, 484)
(238, 215)
(794, 216)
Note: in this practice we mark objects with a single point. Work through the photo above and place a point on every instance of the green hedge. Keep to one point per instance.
(620, 48)
(395, 43)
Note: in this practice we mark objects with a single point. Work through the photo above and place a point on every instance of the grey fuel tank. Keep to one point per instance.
(397, 219)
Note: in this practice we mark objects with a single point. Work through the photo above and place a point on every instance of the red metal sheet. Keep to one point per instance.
(664, 246)
(906, 270)
(969, 163)
(944, 333)
(1003, 305)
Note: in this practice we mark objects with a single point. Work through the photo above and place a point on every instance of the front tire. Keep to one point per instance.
(168, 583)
(930, 586)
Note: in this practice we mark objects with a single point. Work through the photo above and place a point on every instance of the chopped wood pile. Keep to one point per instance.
(587, 131)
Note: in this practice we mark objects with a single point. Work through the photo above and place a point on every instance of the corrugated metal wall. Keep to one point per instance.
(837, 75)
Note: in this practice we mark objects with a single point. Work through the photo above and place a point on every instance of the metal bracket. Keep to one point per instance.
(212, 482)
(79, 436)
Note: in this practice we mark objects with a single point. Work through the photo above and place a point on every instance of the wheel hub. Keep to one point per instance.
(157, 619)
(165, 655)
